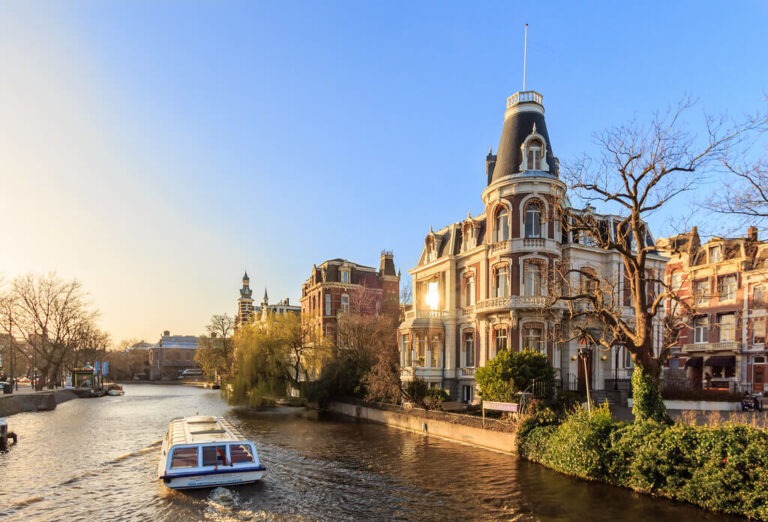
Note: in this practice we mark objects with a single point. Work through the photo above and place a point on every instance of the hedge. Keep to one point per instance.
(721, 468)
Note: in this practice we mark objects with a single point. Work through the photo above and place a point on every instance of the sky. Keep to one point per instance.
(154, 151)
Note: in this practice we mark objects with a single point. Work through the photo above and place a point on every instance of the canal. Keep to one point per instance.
(94, 459)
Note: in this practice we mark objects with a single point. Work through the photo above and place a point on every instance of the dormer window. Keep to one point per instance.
(534, 151)
(534, 154)
(345, 275)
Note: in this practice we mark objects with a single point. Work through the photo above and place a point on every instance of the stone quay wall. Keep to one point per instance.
(417, 422)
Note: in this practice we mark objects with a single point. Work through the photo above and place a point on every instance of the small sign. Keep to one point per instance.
(96, 366)
(105, 368)
(500, 406)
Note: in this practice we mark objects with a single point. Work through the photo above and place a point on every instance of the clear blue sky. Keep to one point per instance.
(155, 150)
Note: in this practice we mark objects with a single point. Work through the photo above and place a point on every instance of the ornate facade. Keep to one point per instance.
(725, 285)
(487, 283)
(338, 286)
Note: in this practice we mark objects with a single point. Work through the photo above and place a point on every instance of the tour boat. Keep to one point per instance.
(206, 452)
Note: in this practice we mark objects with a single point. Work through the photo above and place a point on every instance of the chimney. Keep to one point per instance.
(387, 266)
(166, 333)
(752, 233)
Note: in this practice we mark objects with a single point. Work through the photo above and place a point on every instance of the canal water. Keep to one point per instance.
(95, 459)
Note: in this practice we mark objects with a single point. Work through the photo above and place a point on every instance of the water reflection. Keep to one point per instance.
(97, 459)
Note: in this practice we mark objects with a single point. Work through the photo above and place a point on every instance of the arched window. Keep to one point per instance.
(533, 338)
(533, 278)
(533, 220)
(500, 337)
(502, 225)
(501, 281)
(469, 290)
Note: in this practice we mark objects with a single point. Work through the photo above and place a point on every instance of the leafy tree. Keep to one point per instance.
(639, 169)
(260, 363)
(511, 372)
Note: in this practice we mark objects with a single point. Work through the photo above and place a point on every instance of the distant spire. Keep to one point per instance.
(266, 297)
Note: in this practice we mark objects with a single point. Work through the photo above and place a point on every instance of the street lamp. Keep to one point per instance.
(586, 342)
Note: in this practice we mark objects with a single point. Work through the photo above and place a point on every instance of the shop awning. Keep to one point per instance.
(694, 362)
(722, 360)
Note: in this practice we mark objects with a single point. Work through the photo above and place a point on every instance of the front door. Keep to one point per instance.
(758, 378)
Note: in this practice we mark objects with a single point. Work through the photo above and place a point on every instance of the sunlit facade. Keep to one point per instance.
(725, 284)
(485, 283)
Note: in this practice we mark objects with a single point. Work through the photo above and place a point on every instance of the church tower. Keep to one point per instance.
(244, 303)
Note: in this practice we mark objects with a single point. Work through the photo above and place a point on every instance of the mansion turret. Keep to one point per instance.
(486, 283)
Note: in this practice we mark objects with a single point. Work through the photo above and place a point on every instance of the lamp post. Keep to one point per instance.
(583, 355)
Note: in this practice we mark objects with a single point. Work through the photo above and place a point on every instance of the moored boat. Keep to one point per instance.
(115, 389)
(203, 452)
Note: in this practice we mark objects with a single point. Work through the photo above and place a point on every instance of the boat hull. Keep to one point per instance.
(212, 480)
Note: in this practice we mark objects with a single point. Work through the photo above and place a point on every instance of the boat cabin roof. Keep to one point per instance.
(201, 429)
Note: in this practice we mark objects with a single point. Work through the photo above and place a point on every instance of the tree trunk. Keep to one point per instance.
(646, 395)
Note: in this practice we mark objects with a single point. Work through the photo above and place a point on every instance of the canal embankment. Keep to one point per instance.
(495, 436)
(11, 404)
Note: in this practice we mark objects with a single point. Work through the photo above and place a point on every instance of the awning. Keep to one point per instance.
(722, 360)
(694, 362)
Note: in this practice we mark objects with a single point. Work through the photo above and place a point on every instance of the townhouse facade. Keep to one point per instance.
(338, 286)
(488, 282)
(723, 289)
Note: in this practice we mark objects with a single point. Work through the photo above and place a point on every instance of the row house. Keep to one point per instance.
(487, 283)
(339, 286)
(722, 287)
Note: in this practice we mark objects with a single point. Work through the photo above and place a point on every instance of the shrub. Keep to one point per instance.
(510, 372)
(579, 446)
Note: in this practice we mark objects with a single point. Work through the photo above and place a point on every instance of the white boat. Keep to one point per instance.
(206, 452)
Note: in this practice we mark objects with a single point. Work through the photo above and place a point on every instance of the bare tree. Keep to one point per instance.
(744, 192)
(216, 350)
(51, 316)
(640, 170)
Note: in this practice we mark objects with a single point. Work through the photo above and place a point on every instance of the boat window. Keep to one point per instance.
(240, 453)
(214, 455)
(184, 458)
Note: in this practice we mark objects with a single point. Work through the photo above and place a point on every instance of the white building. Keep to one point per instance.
(486, 283)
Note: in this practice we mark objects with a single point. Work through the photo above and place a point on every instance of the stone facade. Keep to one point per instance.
(487, 283)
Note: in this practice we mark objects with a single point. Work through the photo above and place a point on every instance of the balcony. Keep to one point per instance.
(465, 372)
(515, 302)
(468, 310)
(500, 247)
(534, 242)
(732, 346)
(438, 315)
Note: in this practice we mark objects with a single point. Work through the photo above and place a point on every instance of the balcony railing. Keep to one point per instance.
(501, 246)
(468, 310)
(426, 314)
(732, 346)
(465, 372)
(515, 302)
(490, 305)
(524, 96)
(533, 242)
